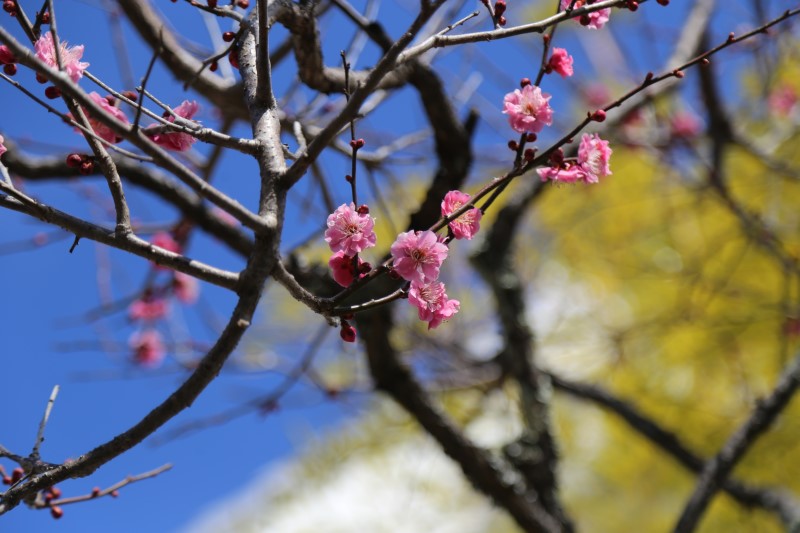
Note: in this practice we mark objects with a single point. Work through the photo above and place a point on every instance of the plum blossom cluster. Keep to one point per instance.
(591, 164)
(146, 343)
(416, 256)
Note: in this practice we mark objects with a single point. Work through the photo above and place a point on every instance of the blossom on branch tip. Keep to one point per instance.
(177, 141)
(100, 128)
(148, 348)
(342, 268)
(528, 109)
(432, 302)
(466, 225)
(560, 62)
(70, 57)
(350, 232)
(418, 255)
(594, 20)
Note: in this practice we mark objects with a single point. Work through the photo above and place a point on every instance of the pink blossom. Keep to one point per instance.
(596, 19)
(593, 157)
(468, 224)
(177, 141)
(349, 231)
(342, 268)
(148, 348)
(166, 241)
(3, 149)
(782, 100)
(70, 57)
(560, 62)
(148, 308)
(185, 288)
(6, 56)
(432, 302)
(100, 128)
(528, 110)
(592, 163)
(418, 255)
(685, 125)
(571, 174)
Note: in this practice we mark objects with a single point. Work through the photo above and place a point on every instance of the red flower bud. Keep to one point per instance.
(363, 209)
(56, 512)
(244, 4)
(599, 115)
(512, 145)
(228, 36)
(355, 144)
(524, 82)
(348, 332)
(499, 7)
(501, 21)
(74, 160)
(52, 92)
(10, 69)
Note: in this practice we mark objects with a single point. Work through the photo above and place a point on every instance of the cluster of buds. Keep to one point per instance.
(83, 162)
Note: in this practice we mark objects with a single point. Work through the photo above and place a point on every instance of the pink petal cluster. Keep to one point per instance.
(3, 149)
(185, 288)
(177, 141)
(148, 308)
(596, 19)
(349, 231)
(148, 348)
(343, 269)
(528, 109)
(432, 302)
(468, 224)
(70, 57)
(99, 127)
(560, 62)
(592, 163)
(418, 255)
